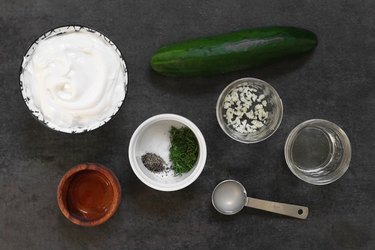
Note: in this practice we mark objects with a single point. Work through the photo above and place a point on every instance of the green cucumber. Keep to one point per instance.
(233, 51)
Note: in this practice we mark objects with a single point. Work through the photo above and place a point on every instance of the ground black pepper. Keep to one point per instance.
(153, 162)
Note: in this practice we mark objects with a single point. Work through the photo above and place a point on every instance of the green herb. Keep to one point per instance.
(184, 149)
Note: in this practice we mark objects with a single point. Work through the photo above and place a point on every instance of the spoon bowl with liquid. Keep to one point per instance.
(230, 197)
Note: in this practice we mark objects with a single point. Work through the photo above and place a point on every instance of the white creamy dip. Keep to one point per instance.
(76, 80)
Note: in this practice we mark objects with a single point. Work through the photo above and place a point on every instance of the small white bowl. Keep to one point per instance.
(152, 136)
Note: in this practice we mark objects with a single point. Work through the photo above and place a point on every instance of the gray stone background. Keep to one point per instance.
(335, 82)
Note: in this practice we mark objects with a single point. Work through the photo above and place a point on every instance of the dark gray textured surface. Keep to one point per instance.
(336, 82)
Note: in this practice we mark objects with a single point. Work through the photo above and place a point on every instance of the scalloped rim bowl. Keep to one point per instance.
(34, 110)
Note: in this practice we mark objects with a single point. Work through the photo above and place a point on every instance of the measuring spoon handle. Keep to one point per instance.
(295, 211)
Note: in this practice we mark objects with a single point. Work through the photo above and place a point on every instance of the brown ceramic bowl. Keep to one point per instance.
(89, 194)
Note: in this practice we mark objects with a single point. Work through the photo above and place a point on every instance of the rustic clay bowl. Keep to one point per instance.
(65, 184)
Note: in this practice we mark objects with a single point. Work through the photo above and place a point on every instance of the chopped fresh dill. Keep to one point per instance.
(184, 149)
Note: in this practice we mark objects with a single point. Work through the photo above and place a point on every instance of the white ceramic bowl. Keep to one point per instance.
(152, 136)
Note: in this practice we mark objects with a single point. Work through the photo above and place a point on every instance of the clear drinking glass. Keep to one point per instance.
(318, 151)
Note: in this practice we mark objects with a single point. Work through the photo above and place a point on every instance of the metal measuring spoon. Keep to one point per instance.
(229, 197)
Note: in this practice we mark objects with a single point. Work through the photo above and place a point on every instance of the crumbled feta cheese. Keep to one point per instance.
(226, 105)
(257, 124)
(229, 114)
(243, 98)
(234, 97)
(258, 106)
(250, 114)
(261, 97)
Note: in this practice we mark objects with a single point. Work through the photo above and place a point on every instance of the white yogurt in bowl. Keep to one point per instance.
(73, 79)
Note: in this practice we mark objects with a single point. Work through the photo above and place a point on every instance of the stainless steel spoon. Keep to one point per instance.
(229, 197)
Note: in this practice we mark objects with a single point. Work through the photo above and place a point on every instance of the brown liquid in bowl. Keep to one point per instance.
(89, 195)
